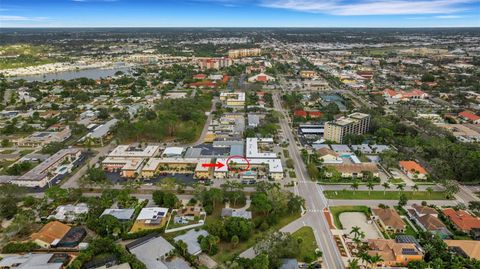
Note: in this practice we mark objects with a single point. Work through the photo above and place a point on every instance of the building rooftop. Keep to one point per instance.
(152, 213)
(51, 232)
(191, 239)
(130, 151)
(121, 214)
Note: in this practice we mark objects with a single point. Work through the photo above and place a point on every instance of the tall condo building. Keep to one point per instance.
(356, 123)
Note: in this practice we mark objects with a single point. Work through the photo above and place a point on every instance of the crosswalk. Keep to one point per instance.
(314, 210)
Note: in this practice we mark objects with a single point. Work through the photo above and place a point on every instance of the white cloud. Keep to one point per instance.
(371, 7)
(21, 18)
(449, 17)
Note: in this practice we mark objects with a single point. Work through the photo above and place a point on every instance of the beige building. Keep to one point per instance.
(239, 53)
(155, 166)
(356, 123)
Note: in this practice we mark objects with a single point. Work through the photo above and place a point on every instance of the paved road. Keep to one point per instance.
(466, 194)
(72, 182)
(315, 201)
(375, 203)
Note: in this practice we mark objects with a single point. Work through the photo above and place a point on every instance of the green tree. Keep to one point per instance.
(402, 201)
(385, 186)
(354, 186)
(238, 226)
(235, 240)
(370, 186)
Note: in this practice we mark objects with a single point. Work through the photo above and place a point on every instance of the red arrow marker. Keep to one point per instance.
(217, 165)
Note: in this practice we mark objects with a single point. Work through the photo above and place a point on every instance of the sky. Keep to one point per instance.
(239, 13)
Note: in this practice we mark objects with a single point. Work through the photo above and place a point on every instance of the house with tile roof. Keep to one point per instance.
(465, 248)
(394, 253)
(413, 170)
(50, 234)
(462, 220)
(389, 219)
(469, 116)
(427, 218)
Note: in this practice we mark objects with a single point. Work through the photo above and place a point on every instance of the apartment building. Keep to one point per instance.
(356, 123)
(167, 165)
(128, 160)
(215, 63)
(239, 53)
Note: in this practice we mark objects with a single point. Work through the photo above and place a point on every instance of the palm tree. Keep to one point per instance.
(370, 186)
(400, 187)
(414, 188)
(385, 186)
(353, 264)
(355, 231)
(429, 190)
(182, 246)
(354, 186)
(374, 260)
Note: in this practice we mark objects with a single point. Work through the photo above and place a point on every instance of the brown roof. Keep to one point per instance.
(51, 231)
(470, 247)
(388, 249)
(431, 223)
(390, 217)
(424, 209)
(326, 151)
(355, 168)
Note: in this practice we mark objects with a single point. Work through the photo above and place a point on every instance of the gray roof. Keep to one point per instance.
(121, 214)
(289, 264)
(153, 252)
(340, 148)
(191, 239)
(30, 261)
(230, 212)
(103, 129)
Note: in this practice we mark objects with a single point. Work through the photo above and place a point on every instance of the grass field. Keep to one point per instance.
(337, 210)
(308, 245)
(379, 195)
(228, 252)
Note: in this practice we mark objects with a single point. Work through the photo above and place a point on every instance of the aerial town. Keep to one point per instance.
(239, 148)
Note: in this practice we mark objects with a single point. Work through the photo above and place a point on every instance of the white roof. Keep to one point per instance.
(252, 148)
(128, 151)
(152, 252)
(153, 163)
(274, 165)
(173, 151)
(149, 213)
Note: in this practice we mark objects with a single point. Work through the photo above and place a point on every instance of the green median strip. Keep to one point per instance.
(380, 195)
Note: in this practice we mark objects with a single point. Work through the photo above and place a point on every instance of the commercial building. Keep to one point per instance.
(128, 160)
(43, 173)
(155, 166)
(38, 139)
(274, 168)
(356, 123)
(233, 99)
(262, 77)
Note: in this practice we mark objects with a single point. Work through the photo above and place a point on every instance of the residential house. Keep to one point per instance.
(50, 234)
(393, 253)
(427, 218)
(124, 214)
(239, 213)
(191, 240)
(69, 212)
(470, 117)
(463, 220)
(389, 219)
(151, 250)
(413, 170)
(34, 261)
(354, 170)
(465, 248)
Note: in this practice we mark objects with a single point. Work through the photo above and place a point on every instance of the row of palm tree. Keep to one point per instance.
(401, 187)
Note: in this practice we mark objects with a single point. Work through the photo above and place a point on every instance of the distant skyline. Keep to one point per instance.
(239, 13)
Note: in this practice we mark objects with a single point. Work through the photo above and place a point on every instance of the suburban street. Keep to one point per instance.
(315, 202)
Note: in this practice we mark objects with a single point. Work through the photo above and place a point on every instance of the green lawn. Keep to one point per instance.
(337, 210)
(308, 245)
(378, 195)
(228, 252)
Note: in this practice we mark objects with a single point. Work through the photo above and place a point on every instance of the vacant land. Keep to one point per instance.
(337, 210)
(308, 245)
(379, 195)
(359, 219)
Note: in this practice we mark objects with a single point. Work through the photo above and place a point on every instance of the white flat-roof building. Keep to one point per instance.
(274, 166)
(252, 150)
(135, 152)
